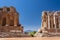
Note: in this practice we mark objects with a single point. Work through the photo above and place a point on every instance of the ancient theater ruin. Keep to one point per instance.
(50, 25)
(9, 20)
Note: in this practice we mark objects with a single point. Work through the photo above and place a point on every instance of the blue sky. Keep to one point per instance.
(30, 10)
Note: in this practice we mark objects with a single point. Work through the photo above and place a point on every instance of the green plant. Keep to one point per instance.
(32, 33)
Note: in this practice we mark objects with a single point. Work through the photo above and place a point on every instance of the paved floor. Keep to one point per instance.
(32, 38)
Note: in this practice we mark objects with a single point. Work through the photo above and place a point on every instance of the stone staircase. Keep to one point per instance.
(10, 34)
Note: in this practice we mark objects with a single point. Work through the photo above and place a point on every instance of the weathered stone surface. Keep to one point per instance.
(12, 34)
(50, 24)
(9, 22)
(9, 19)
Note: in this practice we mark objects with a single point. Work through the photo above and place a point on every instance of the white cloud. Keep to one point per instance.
(31, 27)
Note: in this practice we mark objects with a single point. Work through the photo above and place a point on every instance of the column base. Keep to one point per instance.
(15, 25)
(6, 25)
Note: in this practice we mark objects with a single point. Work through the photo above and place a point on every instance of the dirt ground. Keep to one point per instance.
(32, 38)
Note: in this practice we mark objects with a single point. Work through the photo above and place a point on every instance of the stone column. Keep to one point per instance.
(7, 21)
(54, 21)
(5, 13)
(59, 21)
(0, 18)
(48, 22)
(15, 20)
(2, 21)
